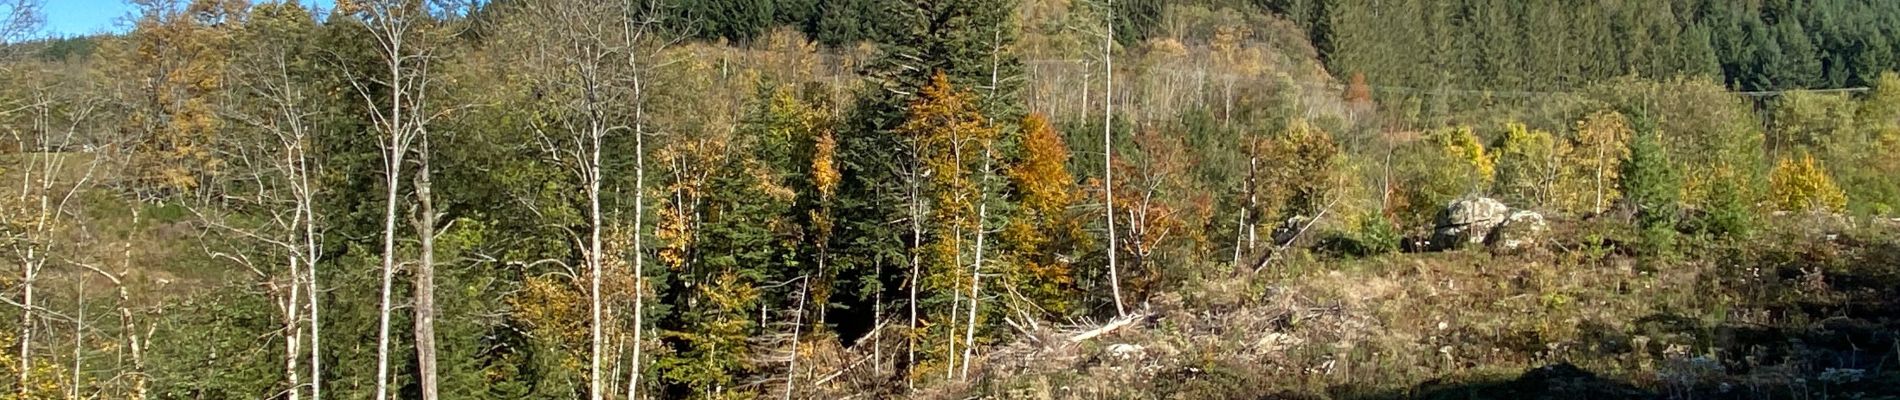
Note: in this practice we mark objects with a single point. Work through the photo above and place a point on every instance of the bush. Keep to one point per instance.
(1530, 165)
(1799, 184)
(1448, 164)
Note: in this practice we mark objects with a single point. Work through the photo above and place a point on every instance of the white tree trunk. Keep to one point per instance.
(395, 149)
(293, 329)
(639, 212)
(1108, 156)
(596, 387)
(916, 246)
(388, 274)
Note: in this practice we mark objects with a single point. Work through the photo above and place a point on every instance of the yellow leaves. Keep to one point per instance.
(824, 169)
(787, 55)
(1800, 184)
(1296, 170)
(729, 292)
(1462, 144)
(768, 181)
(674, 234)
(943, 116)
(1530, 165)
(1602, 145)
(346, 7)
(951, 137)
(183, 57)
(47, 381)
(553, 306)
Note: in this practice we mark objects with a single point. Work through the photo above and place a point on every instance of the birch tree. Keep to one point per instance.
(278, 112)
(594, 53)
(1108, 151)
(408, 40)
(34, 218)
(19, 20)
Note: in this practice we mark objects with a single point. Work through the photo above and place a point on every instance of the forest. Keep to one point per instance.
(951, 199)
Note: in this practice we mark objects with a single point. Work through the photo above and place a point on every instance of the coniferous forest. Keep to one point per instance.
(949, 199)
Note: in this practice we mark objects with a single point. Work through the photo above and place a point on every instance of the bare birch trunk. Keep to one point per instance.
(639, 212)
(976, 269)
(310, 254)
(916, 246)
(30, 271)
(393, 170)
(1108, 156)
(126, 326)
(293, 329)
(79, 337)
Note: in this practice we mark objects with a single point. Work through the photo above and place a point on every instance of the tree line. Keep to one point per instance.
(736, 199)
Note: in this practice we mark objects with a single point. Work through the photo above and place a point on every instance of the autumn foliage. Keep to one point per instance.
(1800, 184)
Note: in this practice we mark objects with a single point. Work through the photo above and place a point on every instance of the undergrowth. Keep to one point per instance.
(1794, 313)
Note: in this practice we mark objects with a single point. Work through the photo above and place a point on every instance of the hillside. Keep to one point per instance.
(853, 199)
(1807, 313)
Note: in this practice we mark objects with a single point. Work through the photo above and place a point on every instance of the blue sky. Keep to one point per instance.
(80, 17)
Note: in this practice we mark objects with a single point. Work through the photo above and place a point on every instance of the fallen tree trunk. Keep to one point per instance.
(1110, 327)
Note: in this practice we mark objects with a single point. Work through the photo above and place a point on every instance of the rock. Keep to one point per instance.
(1467, 221)
(1520, 231)
(1124, 350)
(1276, 343)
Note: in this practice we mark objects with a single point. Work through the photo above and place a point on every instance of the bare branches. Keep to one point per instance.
(19, 20)
(1110, 327)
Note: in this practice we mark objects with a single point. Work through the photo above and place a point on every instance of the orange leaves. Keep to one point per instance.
(1043, 176)
(951, 137)
(942, 116)
(1358, 93)
(1145, 179)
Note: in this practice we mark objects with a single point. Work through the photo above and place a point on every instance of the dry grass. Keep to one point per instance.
(1739, 321)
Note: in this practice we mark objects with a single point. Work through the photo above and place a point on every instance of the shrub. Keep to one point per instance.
(1449, 163)
(1802, 185)
(1530, 165)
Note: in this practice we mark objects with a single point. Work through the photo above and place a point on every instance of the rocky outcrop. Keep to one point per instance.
(1467, 221)
(1484, 221)
(1522, 230)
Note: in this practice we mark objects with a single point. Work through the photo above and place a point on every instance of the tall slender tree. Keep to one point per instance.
(409, 41)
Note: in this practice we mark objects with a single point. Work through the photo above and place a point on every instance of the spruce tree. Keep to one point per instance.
(1651, 188)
